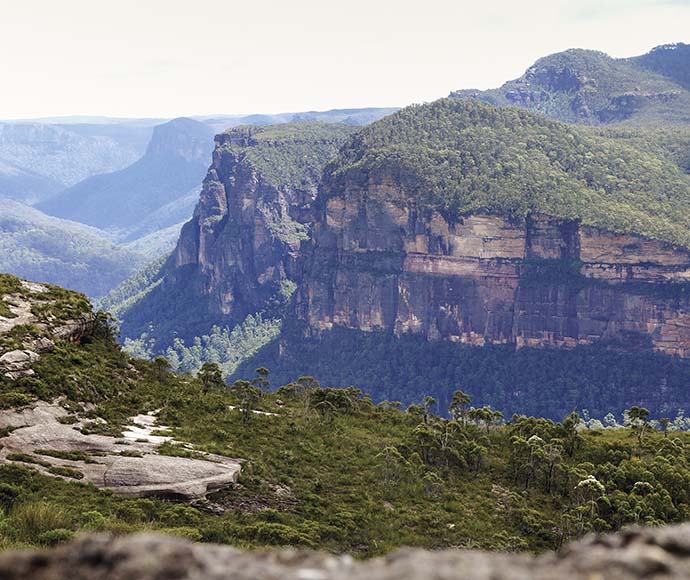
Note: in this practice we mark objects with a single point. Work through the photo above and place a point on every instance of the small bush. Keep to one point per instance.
(13, 400)
(67, 455)
(63, 471)
(180, 515)
(131, 453)
(55, 537)
(68, 419)
(26, 458)
(93, 520)
(8, 495)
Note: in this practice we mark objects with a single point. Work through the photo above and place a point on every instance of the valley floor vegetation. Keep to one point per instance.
(329, 469)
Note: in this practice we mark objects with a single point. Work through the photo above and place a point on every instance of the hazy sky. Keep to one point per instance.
(166, 58)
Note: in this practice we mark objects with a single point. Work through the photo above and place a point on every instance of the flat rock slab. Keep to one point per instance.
(140, 472)
(633, 554)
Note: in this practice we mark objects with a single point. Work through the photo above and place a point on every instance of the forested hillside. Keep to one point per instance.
(589, 87)
(322, 468)
(462, 157)
(49, 249)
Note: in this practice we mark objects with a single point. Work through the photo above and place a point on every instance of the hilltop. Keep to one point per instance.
(461, 157)
(591, 88)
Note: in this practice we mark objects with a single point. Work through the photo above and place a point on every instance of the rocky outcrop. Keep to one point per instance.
(378, 262)
(130, 465)
(16, 363)
(635, 553)
(237, 255)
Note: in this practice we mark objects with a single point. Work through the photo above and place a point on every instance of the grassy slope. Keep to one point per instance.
(324, 475)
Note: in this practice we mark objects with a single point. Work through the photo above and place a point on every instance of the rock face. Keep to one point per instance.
(379, 263)
(635, 553)
(237, 253)
(129, 466)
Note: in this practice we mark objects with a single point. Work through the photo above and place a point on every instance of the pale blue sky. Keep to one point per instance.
(182, 57)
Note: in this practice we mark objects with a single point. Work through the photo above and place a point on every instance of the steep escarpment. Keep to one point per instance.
(487, 280)
(477, 225)
(237, 255)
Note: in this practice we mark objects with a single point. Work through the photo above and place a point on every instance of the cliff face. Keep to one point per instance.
(379, 263)
(237, 254)
(230, 242)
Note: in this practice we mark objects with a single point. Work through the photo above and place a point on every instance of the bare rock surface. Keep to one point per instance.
(17, 363)
(636, 553)
(129, 466)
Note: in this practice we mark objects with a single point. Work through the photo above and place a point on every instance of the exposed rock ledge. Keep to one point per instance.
(128, 466)
(637, 553)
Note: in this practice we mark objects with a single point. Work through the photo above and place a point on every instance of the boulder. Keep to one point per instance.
(629, 555)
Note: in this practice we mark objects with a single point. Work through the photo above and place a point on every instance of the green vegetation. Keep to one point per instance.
(332, 470)
(589, 87)
(120, 298)
(461, 157)
(669, 60)
(289, 155)
(38, 247)
(602, 378)
(226, 348)
(68, 455)
(329, 468)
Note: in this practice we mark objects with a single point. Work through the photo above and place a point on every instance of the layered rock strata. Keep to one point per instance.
(378, 263)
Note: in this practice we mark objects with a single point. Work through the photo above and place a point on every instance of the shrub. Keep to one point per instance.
(180, 515)
(26, 458)
(54, 537)
(13, 399)
(63, 471)
(93, 520)
(8, 495)
(67, 455)
(30, 520)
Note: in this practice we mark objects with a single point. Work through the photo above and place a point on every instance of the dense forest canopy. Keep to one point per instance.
(291, 154)
(463, 156)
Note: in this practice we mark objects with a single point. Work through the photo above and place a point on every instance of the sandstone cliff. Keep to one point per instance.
(380, 263)
(237, 255)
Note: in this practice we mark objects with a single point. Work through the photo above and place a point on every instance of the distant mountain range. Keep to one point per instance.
(174, 164)
(589, 87)
(48, 249)
(136, 181)
(61, 156)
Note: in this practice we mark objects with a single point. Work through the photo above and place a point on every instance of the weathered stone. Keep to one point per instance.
(630, 555)
(150, 474)
(378, 262)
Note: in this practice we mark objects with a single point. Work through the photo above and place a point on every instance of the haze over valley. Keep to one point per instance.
(439, 308)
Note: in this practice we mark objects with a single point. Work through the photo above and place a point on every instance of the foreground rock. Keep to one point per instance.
(128, 466)
(639, 553)
(16, 364)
